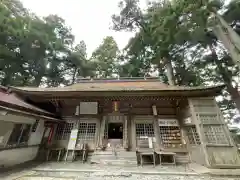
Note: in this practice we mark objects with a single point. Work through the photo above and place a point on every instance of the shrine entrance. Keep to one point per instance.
(115, 131)
(115, 134)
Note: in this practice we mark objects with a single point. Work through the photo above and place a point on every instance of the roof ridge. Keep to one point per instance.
(143, 77)
(120, 79)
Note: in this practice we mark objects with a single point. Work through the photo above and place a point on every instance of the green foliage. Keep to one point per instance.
(37, 51)
(105, 58)
(179, 31)
(130, 16)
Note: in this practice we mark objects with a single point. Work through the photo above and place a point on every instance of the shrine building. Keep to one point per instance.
(132, 114)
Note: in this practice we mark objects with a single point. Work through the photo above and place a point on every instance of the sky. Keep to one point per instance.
(90, 20)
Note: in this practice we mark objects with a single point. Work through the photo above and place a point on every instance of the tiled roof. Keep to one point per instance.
(12, 99)
(143, 85)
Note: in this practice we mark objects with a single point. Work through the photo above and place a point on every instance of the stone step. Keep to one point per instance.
(123, 153)
(117, 149)
(116, 162)
(99, 158)
(126, 154)
(116, 158)
(112, 158)
(103, 153)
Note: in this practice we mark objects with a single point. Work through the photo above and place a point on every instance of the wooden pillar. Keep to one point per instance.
(101, 132)
(125, 131)
(157, 134)
(199, 128)
(133, 131)
(181, 116)
(129, 132)
(98, 131)
(156, 128)
(51, 135)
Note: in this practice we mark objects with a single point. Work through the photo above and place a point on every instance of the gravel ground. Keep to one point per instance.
(133, 177)
(117, 176)
(62, 166)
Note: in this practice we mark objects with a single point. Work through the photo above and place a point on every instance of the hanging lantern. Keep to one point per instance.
(115, 106)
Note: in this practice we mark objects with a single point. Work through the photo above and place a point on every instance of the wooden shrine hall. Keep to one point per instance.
(139, 115)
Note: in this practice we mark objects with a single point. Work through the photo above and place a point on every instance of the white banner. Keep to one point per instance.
(168, 122)
(88, 107)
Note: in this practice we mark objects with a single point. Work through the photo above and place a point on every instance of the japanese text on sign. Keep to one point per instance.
(168, 122)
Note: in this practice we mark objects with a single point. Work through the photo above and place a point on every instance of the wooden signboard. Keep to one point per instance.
(168, 122)
(88, 107)
(73, 139)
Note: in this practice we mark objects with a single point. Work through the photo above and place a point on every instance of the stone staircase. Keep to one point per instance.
(114, 157)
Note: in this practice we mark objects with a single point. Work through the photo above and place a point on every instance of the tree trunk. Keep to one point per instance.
(38, 80)
(228, 37)
(235, 96)
(74, 76)
(170, 74)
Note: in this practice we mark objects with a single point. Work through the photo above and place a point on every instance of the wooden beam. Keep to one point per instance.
(108, 98)
(187, 92)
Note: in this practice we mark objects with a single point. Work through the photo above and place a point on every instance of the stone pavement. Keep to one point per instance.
(80, 167)
(190, 169)
(79, 171)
